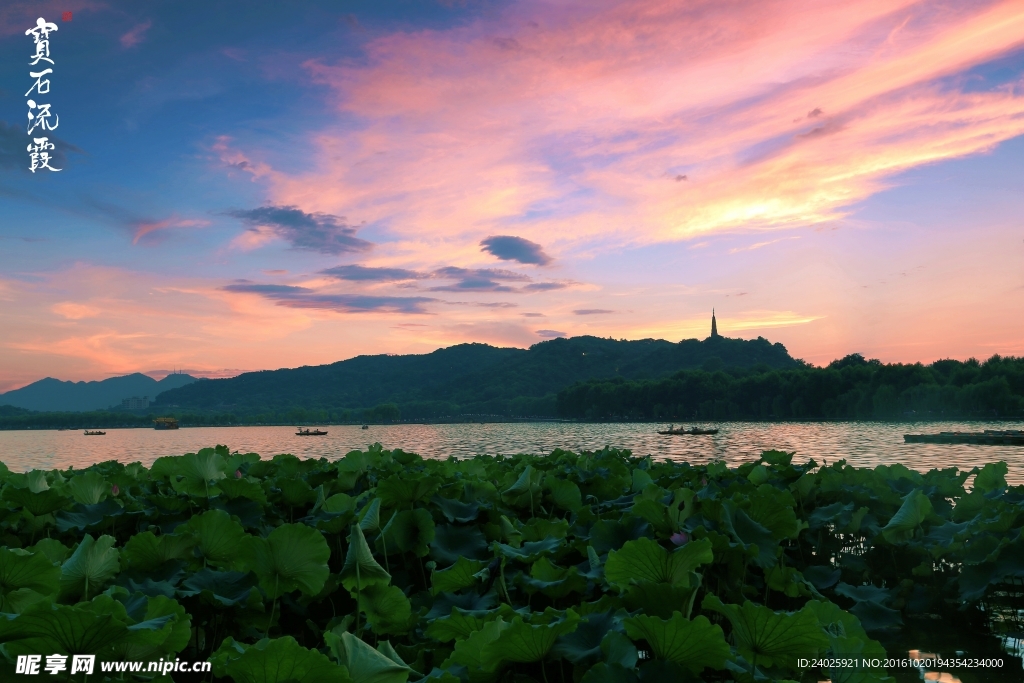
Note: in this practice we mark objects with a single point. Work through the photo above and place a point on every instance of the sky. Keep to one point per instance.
(255, 185)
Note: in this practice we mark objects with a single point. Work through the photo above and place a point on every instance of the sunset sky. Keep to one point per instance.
(257, 184)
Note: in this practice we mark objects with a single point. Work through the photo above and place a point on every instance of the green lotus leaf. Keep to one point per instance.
(61, 629)
(564, 493)
(296, 492)
(293, 557)
(240, 461)
(656, 514)
(524, 484)
(452, 542)
(553, 581)
(693, 644)
(35, 481)
(23, 571)
(766, 637)
(911, 515)
(88, 488)
(162, 627)
(218, 538)
(280, 660)
(404, 490)
(54, 550)
(409, 531)
(193, 474)
(773, 509)
(83, 517)
(758, 475)
(583, 646)
(832, 618)
(242, 488)
(608, 535)
(460, 575)
(361, 570)
(369, 518)
(89, 568)
(529, 552)
(364, 664)
(473, 654)
(991, 477)
(147, 552)
(224, 588)
(455, 510)
(339, 502)
(645, 560)
(38, 503)
(661, 599)
(386, 608)
(462, 623)
(525, 642)
(758, 541)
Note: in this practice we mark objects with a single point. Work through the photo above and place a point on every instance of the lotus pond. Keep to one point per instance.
(597, 567)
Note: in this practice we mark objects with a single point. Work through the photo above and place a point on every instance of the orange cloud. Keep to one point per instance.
(142, 228)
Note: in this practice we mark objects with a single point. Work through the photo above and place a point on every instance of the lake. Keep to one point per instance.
(863, 444)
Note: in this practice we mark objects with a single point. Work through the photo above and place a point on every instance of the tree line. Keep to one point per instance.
(851, 388)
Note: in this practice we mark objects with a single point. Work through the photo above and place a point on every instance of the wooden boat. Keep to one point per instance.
(693, 431)
(88, 433)
(989, 437)
(165, 423)
(309, 432)
(366, 426)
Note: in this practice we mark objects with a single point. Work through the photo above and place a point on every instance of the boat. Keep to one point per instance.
(989, 437)
(88, 433)
(309, 432)
(366, 426)
(693, 431)
(165, 423)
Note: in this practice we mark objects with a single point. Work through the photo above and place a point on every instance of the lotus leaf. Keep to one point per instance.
(460, 575)
(88, 488)
(23, 571)
(386, 608)
(583, 646)
(293, 557)
(83, 517)
(280, 660)
(37, 502)
(409, 531)
(452, 542)
(361, 570)
(911, 515)
(525, 642)
(695, 645)
(364, 664)
(991, 477)
(399, 491)
(225, 588)
(769, 638)
(645, 560)
(147, 552)
(89, 568)
(219, 538)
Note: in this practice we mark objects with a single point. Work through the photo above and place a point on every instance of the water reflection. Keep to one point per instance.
(862, 444)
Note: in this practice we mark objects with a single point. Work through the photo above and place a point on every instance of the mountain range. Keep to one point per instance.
(51, 394)
(467, 378)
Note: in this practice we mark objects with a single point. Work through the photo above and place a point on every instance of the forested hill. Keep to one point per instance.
(51, 394)
(466, 379)
(850, 388)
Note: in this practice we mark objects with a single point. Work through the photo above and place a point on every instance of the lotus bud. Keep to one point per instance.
(238, 474)
(680, 538)
(704, 481)
(114, 490)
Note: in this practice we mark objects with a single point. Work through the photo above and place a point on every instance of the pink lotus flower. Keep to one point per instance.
(114, 490)
(680, 538)
(704, 481)
(238, 474)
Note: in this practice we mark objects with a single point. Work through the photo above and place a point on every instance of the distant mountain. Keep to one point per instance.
(54, 395)
(467, 378)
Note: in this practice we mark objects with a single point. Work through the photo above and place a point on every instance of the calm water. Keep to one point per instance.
(862, 444)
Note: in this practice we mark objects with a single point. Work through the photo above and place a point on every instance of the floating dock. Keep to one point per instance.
(989, 437)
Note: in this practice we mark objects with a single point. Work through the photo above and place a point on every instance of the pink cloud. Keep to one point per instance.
(143, 228)
(136, 34)
(591, 110)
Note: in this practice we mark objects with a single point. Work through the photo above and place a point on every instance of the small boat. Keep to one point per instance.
(989, 437)
(88, 433)
(309, 432)
(165, 423)
(366, 426)
(693, 431)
